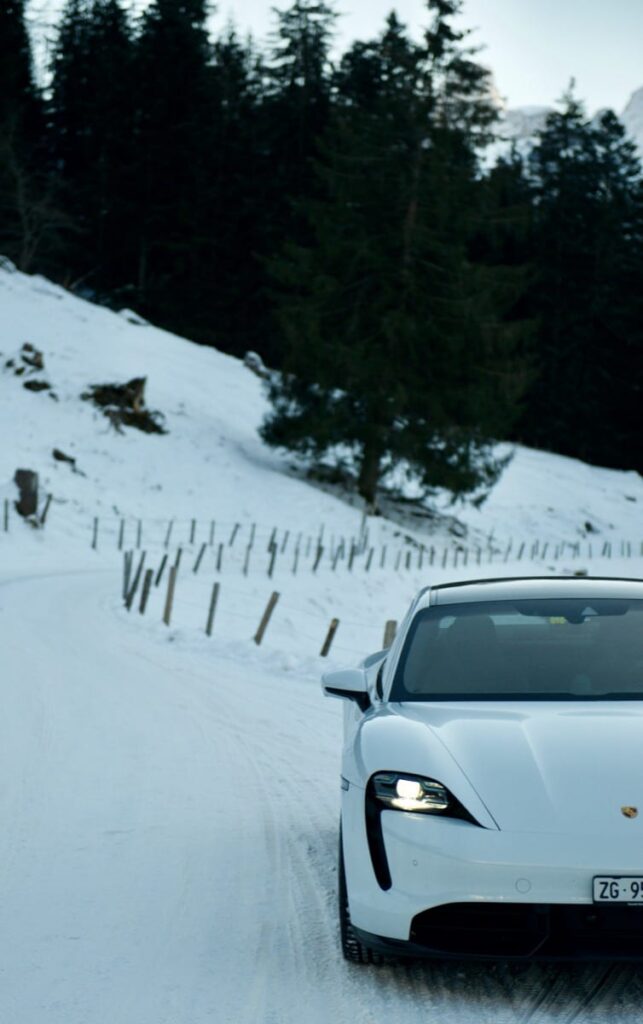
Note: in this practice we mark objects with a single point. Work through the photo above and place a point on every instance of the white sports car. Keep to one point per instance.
(492, 776)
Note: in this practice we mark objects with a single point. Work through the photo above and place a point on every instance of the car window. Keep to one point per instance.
(529, 649)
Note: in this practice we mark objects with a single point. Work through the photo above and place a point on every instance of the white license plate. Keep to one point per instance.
(622, 889)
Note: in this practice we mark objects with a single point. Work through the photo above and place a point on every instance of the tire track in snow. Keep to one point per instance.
(599, 1003)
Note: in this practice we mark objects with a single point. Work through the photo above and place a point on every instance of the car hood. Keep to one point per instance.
(557, 767)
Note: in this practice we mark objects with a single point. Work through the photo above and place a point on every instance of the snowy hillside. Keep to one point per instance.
(169, 800)
(216, 483)
(211, 463)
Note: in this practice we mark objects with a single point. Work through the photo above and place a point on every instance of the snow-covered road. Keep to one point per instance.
(168, 820)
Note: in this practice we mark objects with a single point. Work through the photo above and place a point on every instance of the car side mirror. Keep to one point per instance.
(379, 682)
(349, 684)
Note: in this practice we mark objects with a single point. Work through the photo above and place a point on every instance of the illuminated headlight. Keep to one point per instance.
(410, 793)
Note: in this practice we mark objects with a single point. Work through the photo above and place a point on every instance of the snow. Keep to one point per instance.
(520, 126)
(632, 118)
(169, 800)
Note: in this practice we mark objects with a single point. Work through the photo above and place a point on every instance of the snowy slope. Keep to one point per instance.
(169, 801)
(212, 464)
(212, 468)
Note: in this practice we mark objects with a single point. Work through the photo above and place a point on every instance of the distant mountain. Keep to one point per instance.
(632, 117)
(524, 122)
(520, 124)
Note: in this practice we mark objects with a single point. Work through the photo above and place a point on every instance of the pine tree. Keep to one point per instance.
(295, 110)
(174, 141)
(586, 400)
(299, 80)
(25, 216)
(18, 96)
(232, 299)
(91, 117)
(394, 341)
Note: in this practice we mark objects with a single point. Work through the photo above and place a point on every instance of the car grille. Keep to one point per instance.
(527, 930)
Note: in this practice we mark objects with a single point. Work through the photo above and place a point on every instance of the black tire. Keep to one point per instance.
(353, 950)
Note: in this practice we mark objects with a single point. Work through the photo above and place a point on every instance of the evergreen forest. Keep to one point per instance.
(341, 215)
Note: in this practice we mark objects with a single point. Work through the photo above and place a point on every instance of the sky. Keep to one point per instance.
(534, 47)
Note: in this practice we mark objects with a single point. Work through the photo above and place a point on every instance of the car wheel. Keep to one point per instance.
(354, 951)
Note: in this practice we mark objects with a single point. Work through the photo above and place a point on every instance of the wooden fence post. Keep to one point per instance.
(43, 517)
(169, 598)
(219, 557)
(95, 534)
(330, 636)
(351, 555)
(199, 557)
(121, 535)
(273, 556)
(168, 533)
(135, 582)
(192, 530)
(211, 537)
(211, 610)
(318, 557)
(246, 560)
(390, 629)
(265, 618)
(145, 592)
(127, 572)
(235, 530)
(139, 533)
(159, 575)
(6, 515)
(177, 560)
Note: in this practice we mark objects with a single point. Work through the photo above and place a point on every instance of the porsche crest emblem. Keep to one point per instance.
(630, 812)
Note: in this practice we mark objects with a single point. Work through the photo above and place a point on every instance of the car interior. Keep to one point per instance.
(509, 652)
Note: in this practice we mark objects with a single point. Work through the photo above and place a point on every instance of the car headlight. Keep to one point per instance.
(411, 793)
(399, 791)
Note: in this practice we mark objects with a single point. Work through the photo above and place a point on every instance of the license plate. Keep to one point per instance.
(622, 889)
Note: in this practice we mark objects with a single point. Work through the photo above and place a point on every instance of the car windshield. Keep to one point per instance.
(541, 649)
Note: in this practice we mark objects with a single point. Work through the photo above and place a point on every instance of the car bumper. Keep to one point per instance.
(466, 886)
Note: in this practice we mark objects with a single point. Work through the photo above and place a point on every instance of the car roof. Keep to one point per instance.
(515, 587)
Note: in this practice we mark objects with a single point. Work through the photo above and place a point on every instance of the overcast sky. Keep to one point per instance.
(533, 46)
